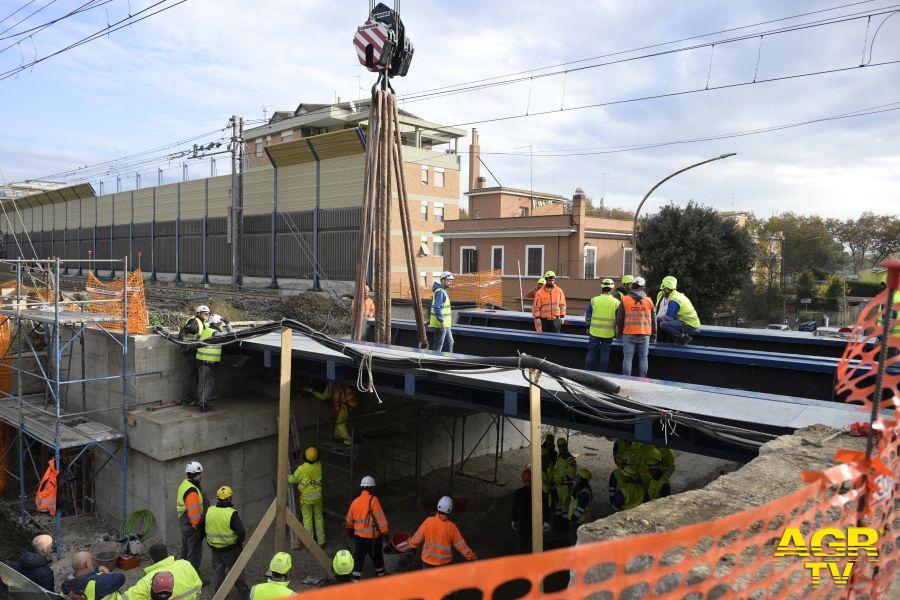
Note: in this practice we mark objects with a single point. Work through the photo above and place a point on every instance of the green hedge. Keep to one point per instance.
(863, 288)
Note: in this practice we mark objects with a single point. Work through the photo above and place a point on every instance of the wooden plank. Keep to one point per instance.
(537, 516)
(246, 553)
(308, 541)
(284, 418)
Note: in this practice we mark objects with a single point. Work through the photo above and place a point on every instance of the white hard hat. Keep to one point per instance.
(193, 468)
(202, 308)
(446, 275)
(445, 505)
(367, 481)
(638, 282)
(215, 319)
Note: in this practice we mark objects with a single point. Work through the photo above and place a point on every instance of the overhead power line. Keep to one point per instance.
(22, 20)
(13, 13)
(90, 5)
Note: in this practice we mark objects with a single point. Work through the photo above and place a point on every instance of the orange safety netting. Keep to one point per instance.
(7, 434)
(483, 288)
(733, 556)
(101, 292)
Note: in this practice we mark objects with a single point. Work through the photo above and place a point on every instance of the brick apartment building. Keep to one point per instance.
(523, 232)
(431, 168)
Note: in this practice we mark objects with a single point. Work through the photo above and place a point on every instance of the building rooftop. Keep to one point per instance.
(518, 192)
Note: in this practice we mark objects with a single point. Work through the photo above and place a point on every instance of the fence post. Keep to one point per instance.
(205, 225)
(153, 240)
(178, 233)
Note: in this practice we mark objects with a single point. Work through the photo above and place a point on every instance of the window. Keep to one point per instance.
(590, 262)
(437, 246)
(438, 177)
(424, 210)
(477, 214)
(287, 136)
(424, 277)
(259, 147)
(424, 176)
(439, 212)
(497, 258)
(534, 261)
(423, 247)
(523, 212)
(628, 261)
(468, 259)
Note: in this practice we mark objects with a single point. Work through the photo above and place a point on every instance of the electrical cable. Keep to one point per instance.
(28, 17)
(24, 6)
(146, 518)
(38, 28)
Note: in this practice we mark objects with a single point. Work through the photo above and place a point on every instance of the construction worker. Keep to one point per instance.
(187, 583)
(580, 503)
(190, 506)
(343, 400)
(679, 320)
(34, 562)
(438, 536)
(308, 479)
(367, 522)
(895, 322)
(549, 306)
(625, 453)
(625, 488)
(655, 468)
(636, 324)
(529, 295)
(208, 358)
(440, 316)
(90, 581)
(601, 319)
(550, 447)
(277, 584)
(162, 585)
(623, 289)
(225, 535)
(564, 470)
(342, 565)
(521, 512)
(368, 308)
(190, 332)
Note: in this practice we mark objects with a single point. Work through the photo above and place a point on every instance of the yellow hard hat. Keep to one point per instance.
(542, 281)
(584, 474)
(224, 493)
(342, 563)
(670, 282)
(562, 443)
(607, 284)
(627, 279)
(311, 454)
(652, 457)
(630, 471)
(280, 563)
(550, 274)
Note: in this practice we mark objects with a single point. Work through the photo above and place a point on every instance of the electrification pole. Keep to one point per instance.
(237, 204)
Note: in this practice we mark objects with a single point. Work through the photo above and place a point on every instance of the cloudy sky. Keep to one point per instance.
(183, 72)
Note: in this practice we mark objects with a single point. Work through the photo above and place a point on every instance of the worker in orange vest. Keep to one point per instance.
(45, 499)
(438, 536)
(367, 522)
(368, 308)
(636, 323)
(549, 306)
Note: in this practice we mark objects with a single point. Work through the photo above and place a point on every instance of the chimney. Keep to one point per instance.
(579, 204)
(475, 178)
(481, 183)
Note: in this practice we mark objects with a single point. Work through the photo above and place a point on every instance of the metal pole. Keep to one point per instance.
(452, 452)
(273, 283)
(178, 232)
(55, 385)
(521, 291)
(125, 390)
(19, 334)
(205, 226)
(153, 237)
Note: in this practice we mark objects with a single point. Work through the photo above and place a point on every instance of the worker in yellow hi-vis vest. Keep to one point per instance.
(308, 479)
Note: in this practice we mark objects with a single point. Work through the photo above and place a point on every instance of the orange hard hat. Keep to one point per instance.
(526, 476)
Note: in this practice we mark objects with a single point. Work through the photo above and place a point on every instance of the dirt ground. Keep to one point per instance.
(485, 522)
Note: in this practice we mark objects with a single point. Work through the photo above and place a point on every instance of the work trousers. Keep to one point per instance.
(598, 349)
(222, 561)
(676, 330)
(313, 521)
(551, 325)
(524, 537)
(191, 544)
(443, 339)
(635, 346)
(341, 431)
(207, 382)
(367, 547)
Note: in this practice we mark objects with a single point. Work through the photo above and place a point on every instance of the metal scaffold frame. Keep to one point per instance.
(50, 426)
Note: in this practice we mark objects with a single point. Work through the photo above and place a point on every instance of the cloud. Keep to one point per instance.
(187, 70)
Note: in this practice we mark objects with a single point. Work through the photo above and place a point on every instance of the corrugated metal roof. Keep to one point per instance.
(66, 194)
(325, 146)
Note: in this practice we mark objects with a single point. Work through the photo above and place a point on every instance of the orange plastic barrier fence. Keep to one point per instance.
(7, 434)
(730, 557)
(112, 290)
(483, 288)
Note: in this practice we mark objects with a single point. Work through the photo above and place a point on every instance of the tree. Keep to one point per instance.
(463, 213)
(835, 292)
(887, 239)
(807, 242)
(806, 285)
(709, 254)
(859, 236)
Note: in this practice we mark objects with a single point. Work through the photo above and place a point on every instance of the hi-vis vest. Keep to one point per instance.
(45, 499)
(308, 478)
(191, 337)
(686, 312)
(445, 312)
(638, 316)
(90, 592)
(208, 353)
(632, 492)
(603, 316)
(219, 533)
(895, 323)
(270, 589)
(183, 488)
(585, 515)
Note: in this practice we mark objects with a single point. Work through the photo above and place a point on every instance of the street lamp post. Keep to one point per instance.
(637, 212)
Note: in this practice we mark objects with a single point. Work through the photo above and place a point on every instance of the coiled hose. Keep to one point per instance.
(146, 518)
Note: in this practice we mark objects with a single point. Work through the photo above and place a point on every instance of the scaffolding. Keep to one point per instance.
(47, 328)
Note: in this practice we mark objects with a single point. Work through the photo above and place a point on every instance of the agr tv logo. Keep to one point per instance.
(827, 547)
